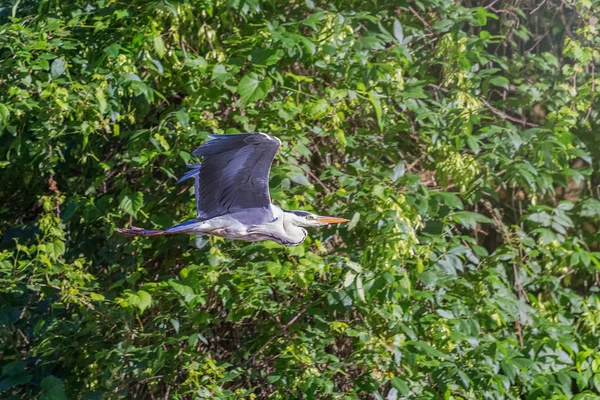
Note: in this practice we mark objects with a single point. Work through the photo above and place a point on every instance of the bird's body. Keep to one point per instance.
(250, 225)
(232, 195)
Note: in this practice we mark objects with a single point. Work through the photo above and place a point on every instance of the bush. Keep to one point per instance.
(459, 138)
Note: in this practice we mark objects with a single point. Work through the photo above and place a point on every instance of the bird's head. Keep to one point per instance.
(307, 220)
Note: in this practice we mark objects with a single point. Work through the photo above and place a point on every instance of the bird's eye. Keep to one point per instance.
(309, 217)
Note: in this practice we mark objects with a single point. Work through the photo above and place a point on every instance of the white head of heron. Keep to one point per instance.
(308, 220)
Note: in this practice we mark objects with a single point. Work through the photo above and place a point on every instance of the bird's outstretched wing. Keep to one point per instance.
(194, 172)
(234, 174)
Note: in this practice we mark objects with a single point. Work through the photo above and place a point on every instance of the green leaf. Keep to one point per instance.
(315, 110)
(565, 205)
(300, 179)
(398, 31)
(546, 236)
(53, 389)
(590, 208)
(251, 88)
(374, 98)
(464, 378)
(183, 117)
(473, 144)
(58, 67)
(14, 374)
(175, 323)
(220, 74)
(183, 290)
(266, 57)
(500, 81)
(131, 203)
(145, 300)
(450, 200)
(398, 171)
(354, 221)
(159, 46)
(370, 42)
(509, 370)
(159, 67)
(392, 394)
(541, 218)
(359, 288)
(481, 15)
(4, 114)
(400, 385)
(55, 249)
(470, 219)
(349, 279)
(308, 44)
(112, 50)
(445, 313)
(354, 266)
(596, 381)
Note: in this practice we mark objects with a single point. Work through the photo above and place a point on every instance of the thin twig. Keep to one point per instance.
(300, 92)
(23, 336)
(519, 332)
(409, 167)
(491, 4)
(190, 48)
(151, 378)
(438, 87)
(537, 42)
(185, 56)
(319, 181)
(283, 329)
(82, 301)
(505, 115)
(538, 7)
(208, 38)
(91, 307)
(593, 91)
(516, 17)
(416, 14)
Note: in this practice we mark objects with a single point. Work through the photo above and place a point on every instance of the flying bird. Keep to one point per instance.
(232, 195)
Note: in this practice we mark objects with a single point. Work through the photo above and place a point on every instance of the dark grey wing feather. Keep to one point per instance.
(194, 172)
(235, 172)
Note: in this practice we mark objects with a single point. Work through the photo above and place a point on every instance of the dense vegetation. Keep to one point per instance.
(460, 138)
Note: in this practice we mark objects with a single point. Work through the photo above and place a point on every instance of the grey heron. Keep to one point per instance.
(232, 194)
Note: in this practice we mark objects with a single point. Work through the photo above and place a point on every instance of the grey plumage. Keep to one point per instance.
(235, 172)
(194, 172)
(232, 194)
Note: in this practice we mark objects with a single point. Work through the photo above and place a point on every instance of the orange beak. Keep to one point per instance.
(332, 220)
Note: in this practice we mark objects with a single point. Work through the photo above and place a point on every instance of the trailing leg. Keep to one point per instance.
(193, 227)
(135, 231)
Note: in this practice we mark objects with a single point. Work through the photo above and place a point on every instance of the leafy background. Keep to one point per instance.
(459, 136)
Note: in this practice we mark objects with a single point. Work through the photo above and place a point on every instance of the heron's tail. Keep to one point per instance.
(133, 231)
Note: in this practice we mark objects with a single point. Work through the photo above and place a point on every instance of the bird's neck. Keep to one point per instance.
(292, 234)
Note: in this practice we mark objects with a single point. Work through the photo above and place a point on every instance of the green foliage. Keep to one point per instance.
(459, 138)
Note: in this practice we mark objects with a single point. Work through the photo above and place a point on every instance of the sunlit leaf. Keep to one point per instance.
(252, 88)
(376, 102)
(131, 203)
(398, 31)
(58, 67)
(145, 300)
(159, 46)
